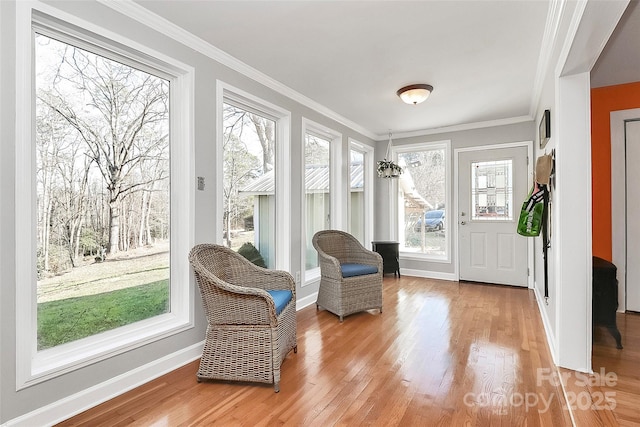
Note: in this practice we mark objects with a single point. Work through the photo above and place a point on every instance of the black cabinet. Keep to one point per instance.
(389, 251)
(605, 297)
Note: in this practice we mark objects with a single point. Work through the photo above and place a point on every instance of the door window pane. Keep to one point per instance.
(317, 192)
(249, 181)
(492, 190)
(421, 204)
(102, 186)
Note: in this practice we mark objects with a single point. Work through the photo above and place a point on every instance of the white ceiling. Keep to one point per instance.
(351, 56)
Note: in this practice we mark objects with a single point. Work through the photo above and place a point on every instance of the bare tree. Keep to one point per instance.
(265, 129)
(240, 166)
(72, 197)
(122, 116)
(427, 169)
(242, 162)
(53, 139)
(317, 150)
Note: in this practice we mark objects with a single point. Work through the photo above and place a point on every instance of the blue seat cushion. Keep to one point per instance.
(351, 270)
(281, 298)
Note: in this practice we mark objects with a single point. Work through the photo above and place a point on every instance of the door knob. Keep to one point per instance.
(462, 222)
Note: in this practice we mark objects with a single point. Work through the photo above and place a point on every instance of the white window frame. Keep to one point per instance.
(368, 176)
(237, 97)
(33, 366)
(394, 217)
(2, 197)
(337, 190)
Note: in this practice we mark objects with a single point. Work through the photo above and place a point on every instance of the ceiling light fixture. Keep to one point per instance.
(415, 94)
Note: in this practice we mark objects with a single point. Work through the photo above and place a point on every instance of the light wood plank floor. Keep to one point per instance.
(441, 354)
(617, 372)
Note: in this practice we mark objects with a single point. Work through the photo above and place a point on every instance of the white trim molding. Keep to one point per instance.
(133, 10)
(282, 117)
(368, 183)
(428, 274)
(338, 192)
(546, 323)
(530, 242)
(33, 366)
(619, 199)
(63, 409)
(395, 216)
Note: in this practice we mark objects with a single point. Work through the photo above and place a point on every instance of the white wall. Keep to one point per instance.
(580, 32)
(619, 62)
(86, 386)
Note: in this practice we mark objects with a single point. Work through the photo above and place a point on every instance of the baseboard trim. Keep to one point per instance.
(306, 301)
(547, 325)
(69, 406)
(72, 405)
(428, 274)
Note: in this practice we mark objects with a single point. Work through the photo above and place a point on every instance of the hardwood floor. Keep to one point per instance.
(621, 367)
(441, 354)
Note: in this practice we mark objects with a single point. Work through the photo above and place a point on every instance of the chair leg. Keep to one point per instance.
(276, 386)
(341, 319)
(295, 349)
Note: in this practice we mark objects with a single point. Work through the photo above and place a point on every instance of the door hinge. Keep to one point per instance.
(528, 273)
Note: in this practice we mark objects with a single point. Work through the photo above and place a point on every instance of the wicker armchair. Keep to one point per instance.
(247, 339)
(341, 295)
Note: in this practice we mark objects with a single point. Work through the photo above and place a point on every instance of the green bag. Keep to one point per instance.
(531, 214)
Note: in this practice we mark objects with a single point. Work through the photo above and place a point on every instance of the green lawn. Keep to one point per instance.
(70, 319)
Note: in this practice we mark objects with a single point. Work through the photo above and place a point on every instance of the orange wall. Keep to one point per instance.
(603, 101)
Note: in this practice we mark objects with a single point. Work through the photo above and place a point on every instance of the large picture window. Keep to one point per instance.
(102, 179)
(423, 208)
(356, 194)
(317, 161)
(250, 192)
(325, 191)
(253, 177)
(106, 159)
(360, 192)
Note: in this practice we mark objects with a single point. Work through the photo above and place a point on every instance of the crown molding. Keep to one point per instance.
(549, 42)
(144, 16)
(460, 127)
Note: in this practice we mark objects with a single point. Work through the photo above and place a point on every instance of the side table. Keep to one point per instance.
(389, 251)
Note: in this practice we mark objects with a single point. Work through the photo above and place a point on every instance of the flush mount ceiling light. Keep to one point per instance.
(415, 94)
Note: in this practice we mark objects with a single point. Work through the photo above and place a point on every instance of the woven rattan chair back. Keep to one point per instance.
(344, 296)
(246, 339)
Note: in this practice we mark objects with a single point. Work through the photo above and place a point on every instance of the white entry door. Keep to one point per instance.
(632, 134)
(492, 185)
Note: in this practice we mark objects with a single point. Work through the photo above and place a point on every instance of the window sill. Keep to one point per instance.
(56, 361)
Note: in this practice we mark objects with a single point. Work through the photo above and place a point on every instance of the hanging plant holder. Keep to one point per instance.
(388, 168)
